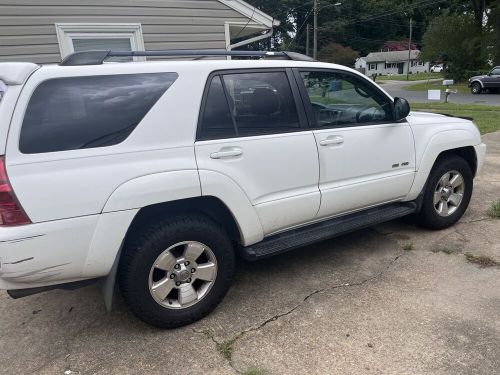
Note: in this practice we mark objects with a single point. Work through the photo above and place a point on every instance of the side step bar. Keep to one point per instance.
(292, 239)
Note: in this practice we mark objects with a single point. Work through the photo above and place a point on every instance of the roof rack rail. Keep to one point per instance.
(98, 57)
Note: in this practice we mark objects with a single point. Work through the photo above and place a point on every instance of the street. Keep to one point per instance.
(396, 89)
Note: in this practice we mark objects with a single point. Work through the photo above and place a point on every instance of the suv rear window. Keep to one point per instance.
(86, 112)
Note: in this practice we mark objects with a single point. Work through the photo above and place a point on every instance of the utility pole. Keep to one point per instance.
(308, 38)
(409, 49)
(315, 43)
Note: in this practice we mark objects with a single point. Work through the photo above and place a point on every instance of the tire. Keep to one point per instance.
(476, 88)
(148, 267)
(440, 214)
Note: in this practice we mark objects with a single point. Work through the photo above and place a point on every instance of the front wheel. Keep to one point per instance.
(447, 193)
(476, 88)
(177, 270)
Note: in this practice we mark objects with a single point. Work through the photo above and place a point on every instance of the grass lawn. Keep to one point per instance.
(487, 118)
(424, 86)
(411, 77)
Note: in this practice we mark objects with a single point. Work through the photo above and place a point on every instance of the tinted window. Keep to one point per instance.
(343, 99)
(85, 112)
(495, 72)
(255, 103)
(262, 103)
(217, 121)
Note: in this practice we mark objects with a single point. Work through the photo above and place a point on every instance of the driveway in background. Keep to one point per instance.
(393, 299)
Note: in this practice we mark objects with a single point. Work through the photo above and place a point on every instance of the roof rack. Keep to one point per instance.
(98, 57)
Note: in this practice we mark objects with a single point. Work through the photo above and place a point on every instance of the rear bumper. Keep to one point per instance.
(61, 251)
(43, 254)
(480, 155)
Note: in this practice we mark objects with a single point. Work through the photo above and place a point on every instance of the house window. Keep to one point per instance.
(372, 67)
(76, 37)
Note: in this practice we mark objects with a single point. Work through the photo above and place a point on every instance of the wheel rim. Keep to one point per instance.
(182, 275)
(475, 88)
(449, 193)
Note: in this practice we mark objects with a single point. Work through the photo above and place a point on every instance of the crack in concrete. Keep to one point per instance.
(230, 342)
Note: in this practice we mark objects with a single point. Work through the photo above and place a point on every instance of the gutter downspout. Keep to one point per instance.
(230, 46)
(254, 39)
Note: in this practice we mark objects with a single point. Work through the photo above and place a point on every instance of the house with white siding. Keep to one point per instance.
(46, 31)
(393, 62)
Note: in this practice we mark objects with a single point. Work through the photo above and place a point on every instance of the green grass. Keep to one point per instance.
(495, 210)
(411, 77)
(424, 86)
(487, 118)
(481, 260)
(408, 246)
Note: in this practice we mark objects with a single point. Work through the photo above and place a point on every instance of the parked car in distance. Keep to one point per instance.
(157, 174)
(437, 68)
(489, 82)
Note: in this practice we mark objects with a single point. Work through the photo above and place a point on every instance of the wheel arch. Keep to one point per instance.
(210, 206)
(477, 81)
(456, 142)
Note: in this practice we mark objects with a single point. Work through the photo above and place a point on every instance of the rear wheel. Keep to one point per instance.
(447, 193)
(177, 270)
(476, 88)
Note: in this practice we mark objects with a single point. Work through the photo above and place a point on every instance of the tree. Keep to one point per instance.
(338, 54)
(456, 40)
(494, 33)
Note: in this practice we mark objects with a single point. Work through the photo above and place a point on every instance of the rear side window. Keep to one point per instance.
(86, 112)
(247, 104)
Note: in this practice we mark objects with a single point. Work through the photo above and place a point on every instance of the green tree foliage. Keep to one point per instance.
(494, 33)
(458, 41)
(338, 54)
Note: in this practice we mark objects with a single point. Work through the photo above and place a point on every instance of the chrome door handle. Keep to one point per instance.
(332, 140)
(227, 153)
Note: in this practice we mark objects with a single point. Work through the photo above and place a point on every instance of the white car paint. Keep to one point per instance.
(82, 202)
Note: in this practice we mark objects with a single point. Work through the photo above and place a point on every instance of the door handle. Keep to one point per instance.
(227, 153)
(332, 140)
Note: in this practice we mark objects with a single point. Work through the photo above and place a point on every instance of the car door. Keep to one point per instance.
(252, 131)
(492, 80)
(366, 158)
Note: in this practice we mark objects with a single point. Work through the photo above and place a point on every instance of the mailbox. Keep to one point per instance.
(447, 82)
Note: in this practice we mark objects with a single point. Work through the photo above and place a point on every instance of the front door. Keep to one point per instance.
(252, 131)
(365, 158)
(492, 80)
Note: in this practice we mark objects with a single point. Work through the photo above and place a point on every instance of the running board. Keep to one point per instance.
(294, 238)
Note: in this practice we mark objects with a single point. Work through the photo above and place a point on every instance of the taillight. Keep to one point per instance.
(11, 212)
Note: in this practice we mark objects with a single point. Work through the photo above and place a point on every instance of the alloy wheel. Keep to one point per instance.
(182, 275)
(449, 193)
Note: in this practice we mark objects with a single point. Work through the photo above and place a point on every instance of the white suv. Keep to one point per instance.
(159, 173)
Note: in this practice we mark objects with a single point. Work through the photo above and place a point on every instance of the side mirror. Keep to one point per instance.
(401, 109)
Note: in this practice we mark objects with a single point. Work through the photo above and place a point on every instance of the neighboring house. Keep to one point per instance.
(394, 62)
(44, 31)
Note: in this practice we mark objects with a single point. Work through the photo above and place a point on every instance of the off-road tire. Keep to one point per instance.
(142, 249)
(428, 216)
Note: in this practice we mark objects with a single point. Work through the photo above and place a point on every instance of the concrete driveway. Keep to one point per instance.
(397, 89)
(360, 304)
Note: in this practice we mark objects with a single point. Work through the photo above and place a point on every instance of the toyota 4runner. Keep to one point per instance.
(157, 174)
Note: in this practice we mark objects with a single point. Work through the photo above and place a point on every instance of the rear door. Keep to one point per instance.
(253, 130)
(366, 158)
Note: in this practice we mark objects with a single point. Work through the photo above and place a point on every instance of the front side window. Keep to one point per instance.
(246, 104)
(340, 99)
(495, 72)
(86, 112)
